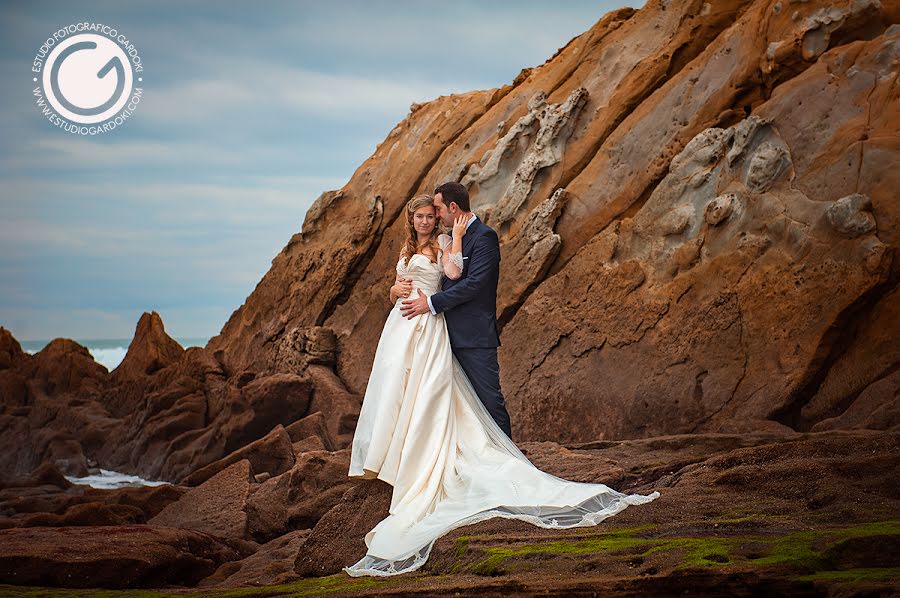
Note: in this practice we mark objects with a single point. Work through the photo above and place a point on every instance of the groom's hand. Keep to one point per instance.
(410, 308)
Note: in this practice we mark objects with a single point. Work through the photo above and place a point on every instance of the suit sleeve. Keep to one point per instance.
(484, 261)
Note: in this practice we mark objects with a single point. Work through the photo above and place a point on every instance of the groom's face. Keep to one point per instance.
(446, 213)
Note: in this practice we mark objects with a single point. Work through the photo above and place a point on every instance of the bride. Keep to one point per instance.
(423, 429)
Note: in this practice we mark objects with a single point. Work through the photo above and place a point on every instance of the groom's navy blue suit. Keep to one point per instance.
(470, 303)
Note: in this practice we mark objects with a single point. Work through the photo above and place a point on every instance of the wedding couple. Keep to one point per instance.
(433, 422)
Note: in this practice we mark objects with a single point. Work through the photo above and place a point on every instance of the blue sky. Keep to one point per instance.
(250, 110)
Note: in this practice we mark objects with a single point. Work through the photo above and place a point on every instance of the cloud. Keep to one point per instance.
(170, 214)
(27, 323)
(253, 89)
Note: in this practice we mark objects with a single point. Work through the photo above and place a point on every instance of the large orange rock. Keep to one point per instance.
(721, 304)
(150, 350)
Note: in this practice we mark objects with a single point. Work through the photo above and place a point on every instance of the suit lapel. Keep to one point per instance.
(469, 237)
(468, 241)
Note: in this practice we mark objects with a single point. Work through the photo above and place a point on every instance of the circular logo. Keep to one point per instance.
(87, 74)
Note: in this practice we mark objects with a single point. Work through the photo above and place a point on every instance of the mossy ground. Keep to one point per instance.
(800, 551)
(802, 555)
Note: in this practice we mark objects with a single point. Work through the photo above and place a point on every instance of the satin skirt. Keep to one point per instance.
(423, 430)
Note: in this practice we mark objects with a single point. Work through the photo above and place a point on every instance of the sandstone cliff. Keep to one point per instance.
(698, 216)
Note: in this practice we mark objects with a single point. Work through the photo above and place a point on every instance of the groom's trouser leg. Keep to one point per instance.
(483, 371)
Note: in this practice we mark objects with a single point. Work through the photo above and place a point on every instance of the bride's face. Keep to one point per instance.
(424, 220)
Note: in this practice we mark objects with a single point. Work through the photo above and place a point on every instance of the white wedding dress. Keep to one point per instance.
(423, 430)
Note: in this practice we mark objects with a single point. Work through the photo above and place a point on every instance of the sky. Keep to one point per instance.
(249, 111)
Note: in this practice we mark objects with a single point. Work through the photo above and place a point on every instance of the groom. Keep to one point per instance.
(470, 302)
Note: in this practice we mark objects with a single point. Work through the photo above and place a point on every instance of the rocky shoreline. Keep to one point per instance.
(807, 513)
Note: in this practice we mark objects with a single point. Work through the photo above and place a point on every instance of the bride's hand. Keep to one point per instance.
(459, 226)
(402, 288)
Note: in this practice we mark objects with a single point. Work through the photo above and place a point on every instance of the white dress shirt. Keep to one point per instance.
(468, 224)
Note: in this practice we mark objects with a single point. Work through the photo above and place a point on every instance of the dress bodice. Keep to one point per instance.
(424, 273)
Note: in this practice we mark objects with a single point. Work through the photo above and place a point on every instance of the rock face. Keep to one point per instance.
(218, 506)
(150, 351)
(724, 297)
(697, 214)
(110, 557)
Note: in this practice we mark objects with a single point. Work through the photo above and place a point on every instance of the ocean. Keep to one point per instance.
(113, 479)
(110, 351)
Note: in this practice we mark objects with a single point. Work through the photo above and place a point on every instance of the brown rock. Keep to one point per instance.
(687, 310)
(127, 556)
(339, 406)
(64, 366)
(578, 466)
(273, 400)
(39, 501)
(215, 507)
(532, 249)
(45, 474)
(272, 564)
(311, 425)
(299, 348)
(272, 454)
(11, 353)
(95, 513)
(298, 498)
(310, 443)
(877, 407)
(150, 350)
(338, 540)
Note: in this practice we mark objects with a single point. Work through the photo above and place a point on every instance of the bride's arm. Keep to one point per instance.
(484, 266)
(394, 289)
(402, 286)
(451, 259)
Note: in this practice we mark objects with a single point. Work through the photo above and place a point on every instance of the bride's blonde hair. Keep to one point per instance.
(412, 245)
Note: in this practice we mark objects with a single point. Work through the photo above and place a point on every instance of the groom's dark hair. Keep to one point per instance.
(453, 191)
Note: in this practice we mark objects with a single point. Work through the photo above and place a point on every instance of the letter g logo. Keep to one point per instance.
(87, 78)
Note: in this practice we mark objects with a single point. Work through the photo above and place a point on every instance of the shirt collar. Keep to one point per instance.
(471, 220)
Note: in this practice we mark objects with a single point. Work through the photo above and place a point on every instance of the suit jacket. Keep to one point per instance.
(470, 301)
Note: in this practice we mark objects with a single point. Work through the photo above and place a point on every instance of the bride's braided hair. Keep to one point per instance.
(412, 247)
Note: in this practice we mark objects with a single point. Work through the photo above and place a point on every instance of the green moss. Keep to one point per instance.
(736, 519)
(854, 575)
(875, 528)
(610, 541)
(462, 543)
(493, 564)
(698, 552)
(795, 550)
(455, 568)
(305, 587)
